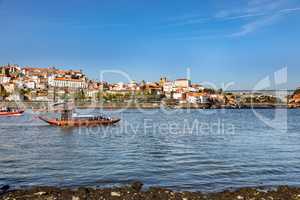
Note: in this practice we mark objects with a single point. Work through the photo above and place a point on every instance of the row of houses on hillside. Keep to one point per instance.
(45, 83)
(184, 91)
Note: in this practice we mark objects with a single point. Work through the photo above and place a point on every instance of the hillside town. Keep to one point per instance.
(52, 84)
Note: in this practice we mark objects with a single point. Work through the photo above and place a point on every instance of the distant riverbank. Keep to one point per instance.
(135, 192)
(144, 105)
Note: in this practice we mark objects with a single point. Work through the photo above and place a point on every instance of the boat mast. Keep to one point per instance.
(54, 93)
(67, 111)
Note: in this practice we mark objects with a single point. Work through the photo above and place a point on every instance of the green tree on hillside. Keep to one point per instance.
(79, 96)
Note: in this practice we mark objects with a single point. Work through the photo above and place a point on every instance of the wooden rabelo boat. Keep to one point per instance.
(81, 121)
(69, 118)
(11, 112)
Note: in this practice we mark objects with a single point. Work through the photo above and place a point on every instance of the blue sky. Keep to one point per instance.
(221, 41)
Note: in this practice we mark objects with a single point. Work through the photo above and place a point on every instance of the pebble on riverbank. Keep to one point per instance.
(134, 192)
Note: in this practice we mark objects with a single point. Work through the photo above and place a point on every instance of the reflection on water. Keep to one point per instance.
(188, 150)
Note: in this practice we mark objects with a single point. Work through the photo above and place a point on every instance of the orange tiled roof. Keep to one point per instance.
(182, 79)
(195, 85)
(68, 79)
(296, 96)
(194, 94)
(36, 69)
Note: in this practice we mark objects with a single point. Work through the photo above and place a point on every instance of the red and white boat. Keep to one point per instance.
(69, 118)
(11, 113)
(81, 121)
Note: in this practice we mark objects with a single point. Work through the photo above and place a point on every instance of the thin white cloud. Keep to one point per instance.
(244, 16)
(190, 21)
(254, 8)
(257, 13)
(255, 25)
(266, 21)
(287, 10)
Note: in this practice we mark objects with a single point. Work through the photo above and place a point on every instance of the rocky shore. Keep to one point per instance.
(135, 192)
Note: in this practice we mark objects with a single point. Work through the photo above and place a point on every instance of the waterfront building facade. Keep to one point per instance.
(63, 82)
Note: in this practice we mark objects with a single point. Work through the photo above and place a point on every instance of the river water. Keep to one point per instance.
(206, 150)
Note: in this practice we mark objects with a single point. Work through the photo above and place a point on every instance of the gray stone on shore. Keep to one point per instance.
(134, 192)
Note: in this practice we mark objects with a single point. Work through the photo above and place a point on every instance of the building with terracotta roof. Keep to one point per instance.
(182, 83)
(10, 70)
(63, 82)
(197, 97)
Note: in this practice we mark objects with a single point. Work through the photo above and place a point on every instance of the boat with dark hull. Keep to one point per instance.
(11, 112)
(69, 118)
(81, 121)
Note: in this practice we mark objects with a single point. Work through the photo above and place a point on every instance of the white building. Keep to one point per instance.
(29, 84)
(92, 93)
(4, 79)
(14, 97)
(119, 87)
(182, 83)
(197, 98)
(133, 86)
(168, 86)
(67, 82)
(195, 88)
(40, 98)
(178, 96)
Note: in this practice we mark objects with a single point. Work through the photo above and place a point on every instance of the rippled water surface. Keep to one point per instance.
(185, 150)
